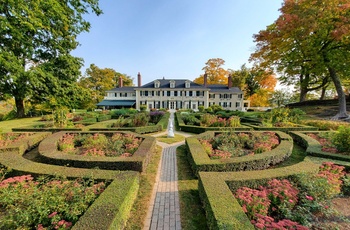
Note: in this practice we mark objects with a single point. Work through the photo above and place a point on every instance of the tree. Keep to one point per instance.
(97, 81)
(36, 39)
(310, 38)
(239, 77)
(215, 73)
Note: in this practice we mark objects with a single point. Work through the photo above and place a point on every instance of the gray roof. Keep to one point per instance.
(123, 89)
(117, 103)
(179, 83)
(224, 89)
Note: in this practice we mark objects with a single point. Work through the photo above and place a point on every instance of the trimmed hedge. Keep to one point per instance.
(112, 208)
(314, 148)
(180, 125)
(32, 129)
(161, 125)
(109, 211)
(284, 129)
(103, 118)
(200, 160)
(216, 192)
(138, 162)
(26, 143)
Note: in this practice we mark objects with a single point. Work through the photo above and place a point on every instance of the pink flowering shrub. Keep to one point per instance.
(210, 120)
(99, 144)
(44, 203)
(227, 145)
(267, 222)
(334, 174)
(325, 142)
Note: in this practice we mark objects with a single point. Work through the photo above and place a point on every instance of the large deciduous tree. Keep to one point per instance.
(36, 38)
(215, 73)
(311, 38)
(97, 81)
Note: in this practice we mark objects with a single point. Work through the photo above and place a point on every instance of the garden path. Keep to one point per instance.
(164, 209)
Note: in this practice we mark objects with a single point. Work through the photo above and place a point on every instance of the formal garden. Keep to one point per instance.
(245, 177)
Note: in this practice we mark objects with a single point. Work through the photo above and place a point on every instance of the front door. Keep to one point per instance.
(172, 105)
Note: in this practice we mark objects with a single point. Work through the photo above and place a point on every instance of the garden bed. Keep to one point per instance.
(200, 161)
(314, 148)
(48, 153)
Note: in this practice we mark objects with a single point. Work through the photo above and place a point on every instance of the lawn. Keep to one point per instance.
(6, 126)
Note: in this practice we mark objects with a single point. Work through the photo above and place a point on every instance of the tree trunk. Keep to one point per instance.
(20, 107)
(323, 93)
(303, 93)
(342, 114)
(304, 81)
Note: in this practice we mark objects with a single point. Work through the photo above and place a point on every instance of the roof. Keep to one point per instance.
(117, 103)
(123, 89)
(224, 88)
(179, 83)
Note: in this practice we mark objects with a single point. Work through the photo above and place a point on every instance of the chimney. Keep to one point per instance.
(139, 79)
(229, 84)
(205, 79)
(120, 82)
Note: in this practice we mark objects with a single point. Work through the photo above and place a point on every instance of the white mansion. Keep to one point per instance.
(174, 94)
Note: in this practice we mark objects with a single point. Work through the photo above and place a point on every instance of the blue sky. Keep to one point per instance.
(173, 38)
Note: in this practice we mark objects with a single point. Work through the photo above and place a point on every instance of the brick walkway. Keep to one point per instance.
(164, 211)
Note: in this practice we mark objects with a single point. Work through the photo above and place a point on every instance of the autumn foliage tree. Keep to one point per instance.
(216, 74)
(309, 42)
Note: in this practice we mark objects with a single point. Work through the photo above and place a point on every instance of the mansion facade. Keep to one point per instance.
(174, 94)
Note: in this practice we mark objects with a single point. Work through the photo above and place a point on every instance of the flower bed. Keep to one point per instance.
(116, 159)
(283, 204)
(98, 144)
(200, 160)
(44, 203)
(233, 144)
(10, 138)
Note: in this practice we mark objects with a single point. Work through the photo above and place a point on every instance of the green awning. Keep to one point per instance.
(117, 103)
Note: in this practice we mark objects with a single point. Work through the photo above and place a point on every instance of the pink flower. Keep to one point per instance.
(52, 214)
(309, 197)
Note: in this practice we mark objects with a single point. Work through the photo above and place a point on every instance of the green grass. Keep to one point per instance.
(6, 126)
(171, 140)
(298, 155)
(192, 213)
(147, 180)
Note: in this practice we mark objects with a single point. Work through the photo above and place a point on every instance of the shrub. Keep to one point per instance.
(155, 116)
(341, 139)
(201, 108)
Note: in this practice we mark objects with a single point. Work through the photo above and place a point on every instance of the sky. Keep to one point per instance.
(173, 38)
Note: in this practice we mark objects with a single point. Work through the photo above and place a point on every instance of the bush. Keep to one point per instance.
(341, 139)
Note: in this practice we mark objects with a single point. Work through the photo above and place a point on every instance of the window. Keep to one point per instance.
(146, 93)
(211, 95)
(158, 93)
(187, 84)
(123, 94)
(190, 93)
(115, 94)
(175, 93)
(156, 84)
(168, 93)
(240, 96)
(238, 104)
(172, 84)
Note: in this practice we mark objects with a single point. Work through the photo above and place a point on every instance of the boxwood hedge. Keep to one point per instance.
(48, 153)
(200, 160)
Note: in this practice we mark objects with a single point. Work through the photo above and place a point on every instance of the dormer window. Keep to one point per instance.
(156, 84)
(187, 84)
(172, 84)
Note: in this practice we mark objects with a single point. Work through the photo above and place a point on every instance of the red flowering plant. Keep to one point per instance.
(99, 144)
(325, 141)
(44, 203)
(231, 144)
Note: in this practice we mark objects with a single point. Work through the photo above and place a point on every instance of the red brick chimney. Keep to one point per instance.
(139, 79)
(229, 84)
(205, 79)
(120, 82)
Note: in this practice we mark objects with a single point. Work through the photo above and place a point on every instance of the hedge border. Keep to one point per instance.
(109, 211)
(222, 209)
(180, 125)
(49, 154)
(200, 160)
(161, 125)
(314, 148)
(284, 129)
